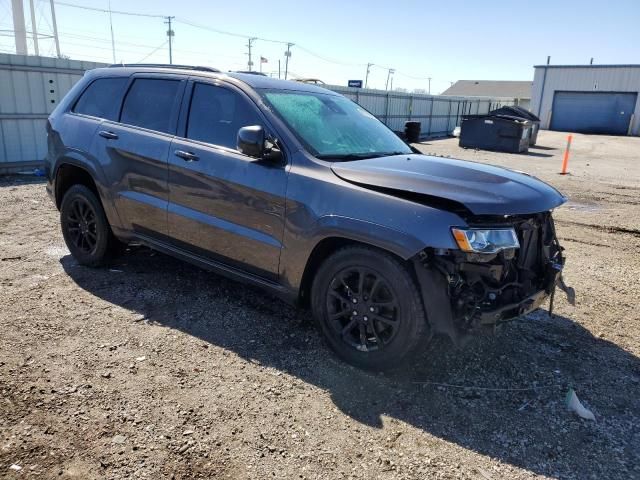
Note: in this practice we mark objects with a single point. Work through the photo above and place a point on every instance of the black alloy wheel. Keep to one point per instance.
(362, 308)
(369, 309)
(85, 227)
(80, 223)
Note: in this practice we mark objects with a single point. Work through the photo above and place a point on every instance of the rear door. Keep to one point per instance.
(100, 100)
(224, 205)
(134, 151)
(593, 112)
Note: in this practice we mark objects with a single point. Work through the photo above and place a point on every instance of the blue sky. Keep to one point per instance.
(447, 41)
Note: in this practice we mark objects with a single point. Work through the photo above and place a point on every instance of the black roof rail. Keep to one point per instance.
(166, 65)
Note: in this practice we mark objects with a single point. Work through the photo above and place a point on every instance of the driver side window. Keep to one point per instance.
(216, 114)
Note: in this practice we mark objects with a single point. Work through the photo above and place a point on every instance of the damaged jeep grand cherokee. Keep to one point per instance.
(300, 191)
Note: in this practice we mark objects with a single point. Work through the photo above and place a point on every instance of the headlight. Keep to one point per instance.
(485, 240)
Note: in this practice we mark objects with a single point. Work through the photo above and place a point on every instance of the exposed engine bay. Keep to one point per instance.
(484, 289)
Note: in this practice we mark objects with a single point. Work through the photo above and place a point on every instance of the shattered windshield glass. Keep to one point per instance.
(332, 127)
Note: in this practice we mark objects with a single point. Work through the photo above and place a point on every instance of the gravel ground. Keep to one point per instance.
(156, 369)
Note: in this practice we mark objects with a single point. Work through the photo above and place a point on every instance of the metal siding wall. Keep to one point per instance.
(30, 88)
(438, 115)
(584, 79)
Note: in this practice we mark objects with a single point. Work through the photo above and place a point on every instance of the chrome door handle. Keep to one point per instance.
(186, 156)
(108, 135)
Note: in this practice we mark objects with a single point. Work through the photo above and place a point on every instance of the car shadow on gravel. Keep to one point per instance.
(501, 396)
(531, 153)
(18, 180)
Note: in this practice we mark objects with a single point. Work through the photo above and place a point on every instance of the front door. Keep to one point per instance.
(134, 153)
(222, 204)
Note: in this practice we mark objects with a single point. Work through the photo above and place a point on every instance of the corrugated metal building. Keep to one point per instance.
(30, 88)
(516, 90)
(588, 98)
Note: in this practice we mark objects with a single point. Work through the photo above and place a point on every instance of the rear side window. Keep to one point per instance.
(149, 104)
(102, 98)
(216, 114)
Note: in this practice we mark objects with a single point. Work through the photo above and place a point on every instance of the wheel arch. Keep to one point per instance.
(70, 171)
(328, 246)
(67, 174)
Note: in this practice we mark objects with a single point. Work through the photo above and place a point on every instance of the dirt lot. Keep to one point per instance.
(155, 369)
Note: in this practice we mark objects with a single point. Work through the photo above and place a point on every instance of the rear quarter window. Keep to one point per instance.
(149, 104)
(102, 98)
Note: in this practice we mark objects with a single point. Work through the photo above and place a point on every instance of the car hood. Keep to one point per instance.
(482, 189)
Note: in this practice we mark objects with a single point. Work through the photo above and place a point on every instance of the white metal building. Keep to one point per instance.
(517, 91)
(588, 98)
(30, 88)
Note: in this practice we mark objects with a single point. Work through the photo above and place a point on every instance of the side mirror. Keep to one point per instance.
(253, 142)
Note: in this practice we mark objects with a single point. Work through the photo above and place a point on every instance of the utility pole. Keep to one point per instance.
(278, 68)
(54, 24)
(249, 45)
(429, 90)
(366, 78)
(170, 34)
(113, 41)
(389, 73)
(19, 28)
(287, 55)
(34, 28)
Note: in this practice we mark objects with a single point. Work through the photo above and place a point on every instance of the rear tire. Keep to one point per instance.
(85, 227)
(369, 309)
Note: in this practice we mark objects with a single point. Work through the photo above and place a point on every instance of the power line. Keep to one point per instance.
(103, 10)
(154, 51)
(237, 35)
(225, 32)
(330, 60)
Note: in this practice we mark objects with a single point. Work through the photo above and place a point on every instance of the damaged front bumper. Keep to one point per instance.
(467, 293)
(513, 310)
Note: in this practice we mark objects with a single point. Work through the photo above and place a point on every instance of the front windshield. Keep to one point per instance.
(333, 127)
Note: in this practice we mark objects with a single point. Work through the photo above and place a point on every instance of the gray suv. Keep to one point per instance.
(298, 190)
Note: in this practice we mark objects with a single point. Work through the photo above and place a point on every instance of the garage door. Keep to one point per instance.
(593, 112)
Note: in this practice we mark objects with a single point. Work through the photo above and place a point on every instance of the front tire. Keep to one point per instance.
(369, 309)
(85, 227)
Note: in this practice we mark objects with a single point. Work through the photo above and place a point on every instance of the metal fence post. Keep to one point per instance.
(410, 107)
(386, 111)
(430, 118)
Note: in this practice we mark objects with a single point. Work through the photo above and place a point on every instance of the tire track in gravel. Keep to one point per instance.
(602, 228)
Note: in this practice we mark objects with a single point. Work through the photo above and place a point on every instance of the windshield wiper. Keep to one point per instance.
(358, 156)
(343, 156)
(390, 154)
